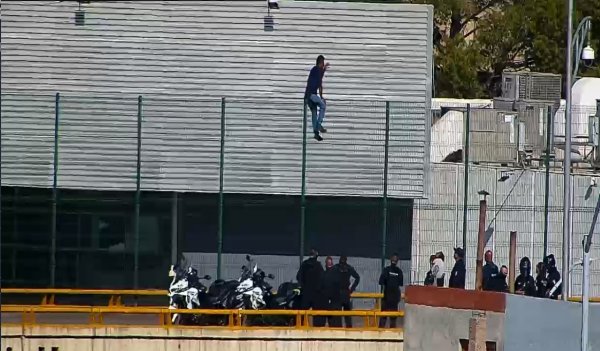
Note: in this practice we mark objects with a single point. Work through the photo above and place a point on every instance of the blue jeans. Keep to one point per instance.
(313, 101)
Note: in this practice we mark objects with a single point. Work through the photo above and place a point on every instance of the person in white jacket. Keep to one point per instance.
(438, 270)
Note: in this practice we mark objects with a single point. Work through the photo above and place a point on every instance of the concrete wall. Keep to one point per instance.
(160, 339)
(440, 329)
(545, 325)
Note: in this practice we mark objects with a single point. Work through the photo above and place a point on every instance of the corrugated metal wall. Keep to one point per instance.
(515, 204)
(183, 57)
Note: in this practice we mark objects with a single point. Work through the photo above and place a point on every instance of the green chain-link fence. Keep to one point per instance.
(107, 192)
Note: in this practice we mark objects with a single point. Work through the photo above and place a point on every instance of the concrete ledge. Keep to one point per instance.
(153, 338)
(456, 298)
(152, 332)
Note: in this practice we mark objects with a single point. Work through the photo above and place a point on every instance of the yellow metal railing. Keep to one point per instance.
(578, 299)
(116, 296)
(235, 318)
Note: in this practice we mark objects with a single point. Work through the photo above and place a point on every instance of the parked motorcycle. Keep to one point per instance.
(251, 289)
(186, 292)
(288, 297)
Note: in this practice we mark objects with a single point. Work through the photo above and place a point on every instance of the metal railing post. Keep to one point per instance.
(221, 196)
(566, 244)
(549, 128)
(54, 192)
(385, 185)
(303, 187)
(466, 146)
(138, 177)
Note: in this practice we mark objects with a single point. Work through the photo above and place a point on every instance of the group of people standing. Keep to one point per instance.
(545, 284)
(330, 288)
(327, 288)
(436, 275)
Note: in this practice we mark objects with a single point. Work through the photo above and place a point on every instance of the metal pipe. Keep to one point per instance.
(532, 223)
(585, 294)
(221, 196)
(303, 187)
(136, 248)
(549, 127)
(480, 244)
(456, 210)
(174, 227)
(567, 163)
(512, 259)
(466, 132)
(385, 185)
(54, 192)
(585, 298)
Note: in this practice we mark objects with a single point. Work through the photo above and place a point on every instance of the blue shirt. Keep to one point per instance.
(315, 79)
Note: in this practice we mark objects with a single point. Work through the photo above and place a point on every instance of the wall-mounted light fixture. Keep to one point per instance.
(269, 24)
(79, 13)
(273, 5)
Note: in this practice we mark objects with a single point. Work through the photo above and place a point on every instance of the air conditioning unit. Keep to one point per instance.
(495, 136)
(531, 86)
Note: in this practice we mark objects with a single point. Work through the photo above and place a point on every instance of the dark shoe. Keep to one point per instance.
(322, 130)
(318, 137)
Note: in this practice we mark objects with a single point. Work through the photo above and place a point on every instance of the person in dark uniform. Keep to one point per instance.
(490, 271)
(553, 277)
(391, 280)
(331, 287)
(457, 276)
(309, 277)
(541, 280)
(498, 283)
(346, 272)
(524, 284)
(429, 277)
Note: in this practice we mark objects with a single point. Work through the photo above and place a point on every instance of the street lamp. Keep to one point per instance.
(581, 37)
(574, 43)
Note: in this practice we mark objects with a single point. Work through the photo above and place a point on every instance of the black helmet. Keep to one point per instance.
(525, 266)
(550, 261)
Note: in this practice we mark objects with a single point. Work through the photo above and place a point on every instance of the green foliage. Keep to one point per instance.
(457, 65)
(516, 35)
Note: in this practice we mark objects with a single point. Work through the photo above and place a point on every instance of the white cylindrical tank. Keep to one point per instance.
(585, 92)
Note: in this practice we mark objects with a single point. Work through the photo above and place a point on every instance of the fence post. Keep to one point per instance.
(303, 186)
(549, 128)
(480, 241)
(512, 261)
(385, 185)
(221, 197)
(138, 177)
(54, 192)
(466, 132)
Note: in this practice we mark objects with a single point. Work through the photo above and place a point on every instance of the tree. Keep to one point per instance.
(513, 35)
(458, 59)
(456, 72)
